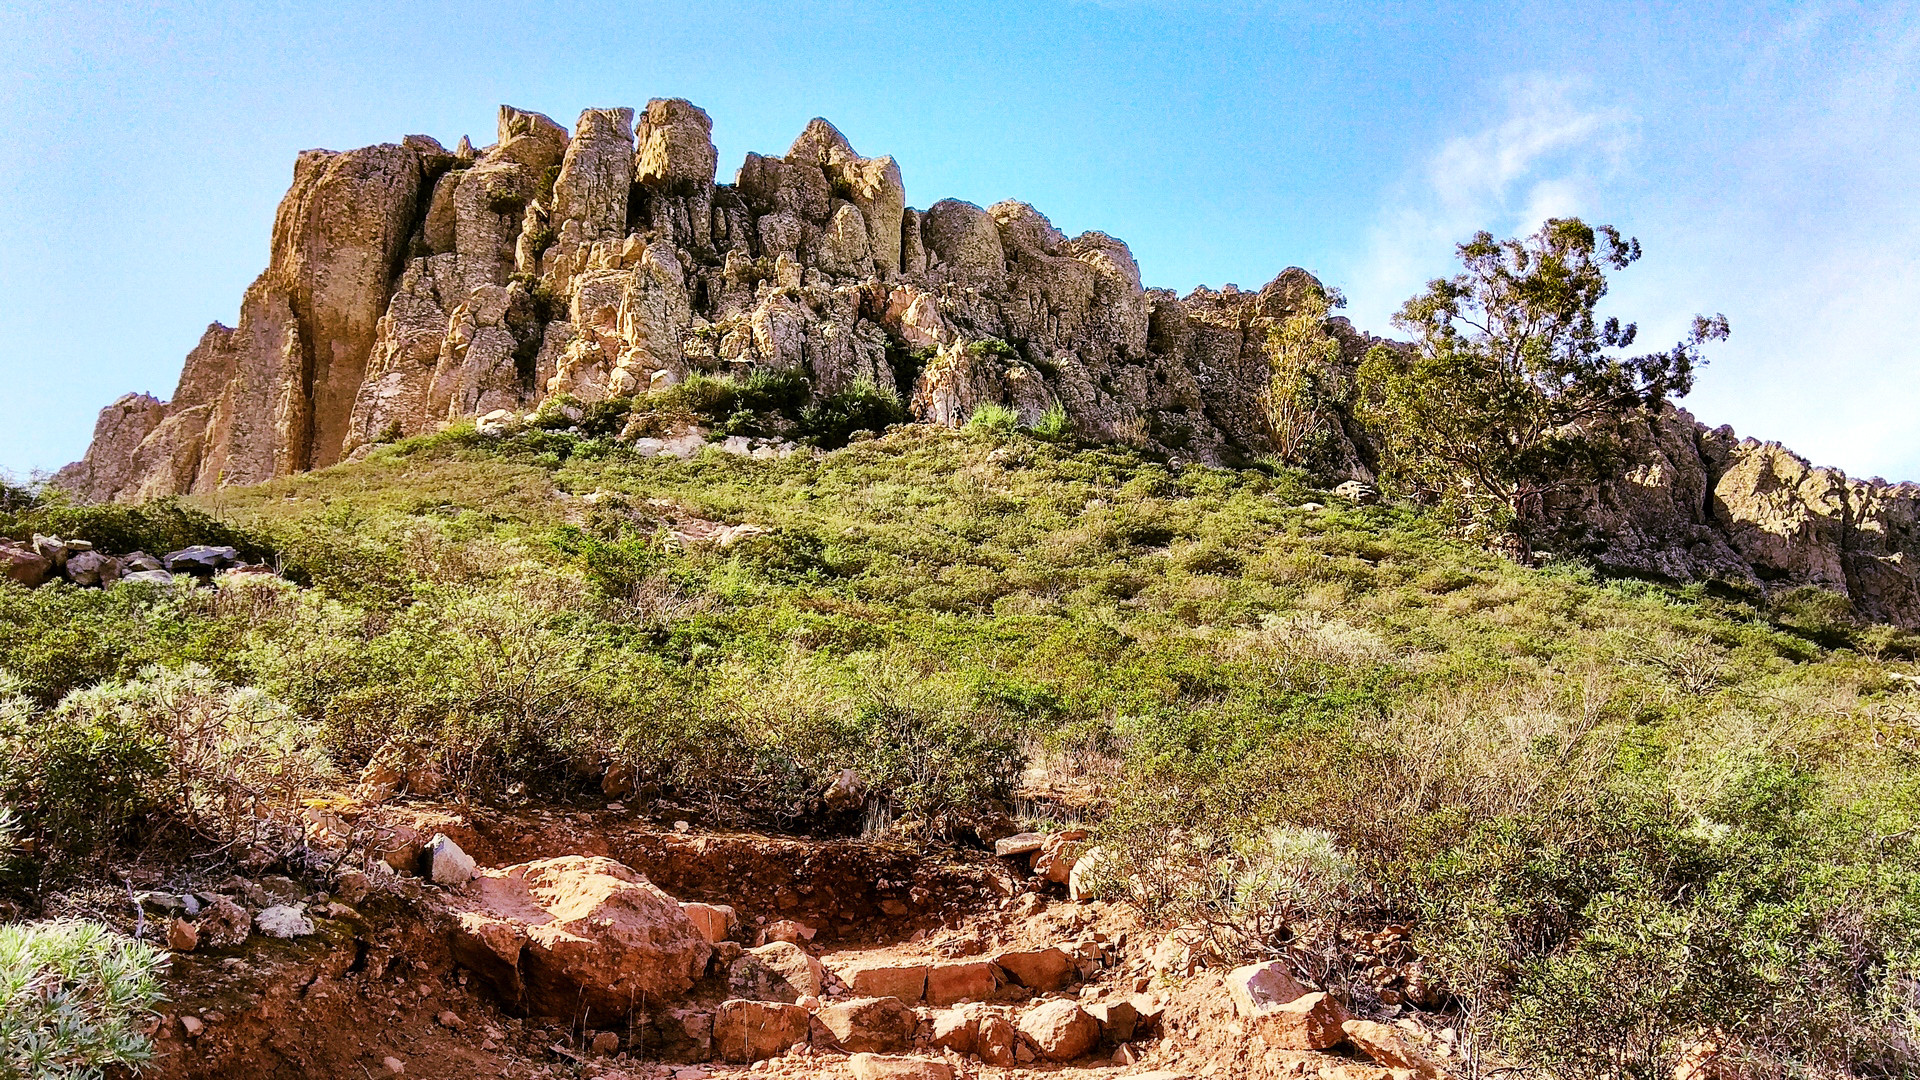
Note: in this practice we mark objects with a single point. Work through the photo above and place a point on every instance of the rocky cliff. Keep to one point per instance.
(409, 285)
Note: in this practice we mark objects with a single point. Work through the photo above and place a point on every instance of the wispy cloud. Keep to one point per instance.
(1546, 152)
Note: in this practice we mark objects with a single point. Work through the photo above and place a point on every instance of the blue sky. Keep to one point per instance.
(1765, 155)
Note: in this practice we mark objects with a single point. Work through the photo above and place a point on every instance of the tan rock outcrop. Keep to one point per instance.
(408, 286)
(577, 931)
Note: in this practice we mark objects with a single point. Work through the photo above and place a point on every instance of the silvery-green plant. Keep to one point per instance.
(73, 998)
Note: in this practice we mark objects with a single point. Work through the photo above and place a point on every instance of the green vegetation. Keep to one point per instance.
(1617, 817)
(1310, 386)
(1512, 384)
(72, 998)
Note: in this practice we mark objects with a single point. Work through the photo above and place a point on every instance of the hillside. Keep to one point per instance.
(409, 286)
(1538, 817)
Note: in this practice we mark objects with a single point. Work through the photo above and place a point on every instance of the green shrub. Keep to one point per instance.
(994, 419)
(73, 999)
(860, 407)
(177, 747)
(1053, 425)
(156, 527)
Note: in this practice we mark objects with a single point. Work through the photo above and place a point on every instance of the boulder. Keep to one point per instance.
(1390, 1047)
(1310, 1022)
(776, 972)
(1256, 988)
(887, 1067)
(1061, 1030)
(1088, 873)
(577, 931)
(745, 1031)
(679, 1034)
(91, 568)
(714, 921)
(998, 1041)
(202, 559)
(139, 560)
(23, 565)
(53, 549)
(223, 924)
(148, 577)
(1042, 970)
(877, 1025)
(955, 1030)
(802, 972)
(1117, 1019)
(447, 865)
(1057, 854)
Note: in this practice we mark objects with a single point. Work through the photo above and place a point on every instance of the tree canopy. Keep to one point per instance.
(1513, 384)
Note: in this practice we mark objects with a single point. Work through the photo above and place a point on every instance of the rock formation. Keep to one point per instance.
(409, 286)
(1695, 503)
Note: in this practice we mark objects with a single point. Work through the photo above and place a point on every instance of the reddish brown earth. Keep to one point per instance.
(378, 985)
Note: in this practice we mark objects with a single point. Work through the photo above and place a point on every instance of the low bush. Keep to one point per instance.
(74, 998)
(994, 419)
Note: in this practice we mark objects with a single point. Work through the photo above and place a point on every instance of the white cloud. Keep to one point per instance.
(1545, 155)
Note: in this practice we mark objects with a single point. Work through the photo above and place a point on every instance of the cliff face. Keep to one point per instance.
(409, 285)
(1696, 503)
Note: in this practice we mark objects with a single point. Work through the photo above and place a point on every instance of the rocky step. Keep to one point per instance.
(1010, 975)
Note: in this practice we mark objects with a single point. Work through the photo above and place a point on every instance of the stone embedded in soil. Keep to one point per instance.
(872, 1025)
(1061, 1030)
(446, 864)
(899, 979)
(1041, 971)
(283, 921)
(1389, 1047)
(1018, 844)
(577, 931)
(883, 1067)
(1310, 1022)
(745, 1031)
(181, 936)
(714, 921)
(224, 924)
(951, 983)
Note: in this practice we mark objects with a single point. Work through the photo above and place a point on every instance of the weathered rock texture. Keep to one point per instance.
(409, 286)
(1696, 503)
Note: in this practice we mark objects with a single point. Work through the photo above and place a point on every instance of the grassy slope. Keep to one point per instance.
(1620, 812)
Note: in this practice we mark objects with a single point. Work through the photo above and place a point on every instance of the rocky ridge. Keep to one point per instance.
(410, 285)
